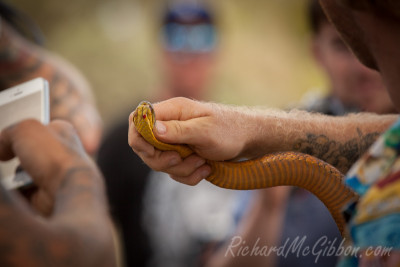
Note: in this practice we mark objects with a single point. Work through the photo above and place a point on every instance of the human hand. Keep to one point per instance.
(77, 230)
(213, 132)
(47, 154)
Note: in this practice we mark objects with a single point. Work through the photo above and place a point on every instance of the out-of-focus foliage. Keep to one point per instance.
(263, 56)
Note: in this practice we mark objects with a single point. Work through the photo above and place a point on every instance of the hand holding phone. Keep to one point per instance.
(29, 100)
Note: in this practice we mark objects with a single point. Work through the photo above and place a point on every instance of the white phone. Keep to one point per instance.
(29, 100)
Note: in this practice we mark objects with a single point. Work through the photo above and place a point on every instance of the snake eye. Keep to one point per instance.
(144, 116)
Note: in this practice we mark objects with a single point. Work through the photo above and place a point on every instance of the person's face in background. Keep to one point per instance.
(189, 56)
(353, 83)
(372, 30)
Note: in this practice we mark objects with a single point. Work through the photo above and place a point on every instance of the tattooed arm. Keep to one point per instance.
(73, 227)
(70, 94)
(220, 132)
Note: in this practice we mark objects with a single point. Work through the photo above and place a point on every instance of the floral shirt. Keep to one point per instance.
(375, 218)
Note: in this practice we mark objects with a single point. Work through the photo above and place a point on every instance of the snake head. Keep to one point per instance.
(144, 114)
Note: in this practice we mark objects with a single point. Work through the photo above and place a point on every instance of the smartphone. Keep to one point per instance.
(29, 100)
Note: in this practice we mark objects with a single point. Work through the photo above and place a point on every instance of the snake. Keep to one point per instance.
(275, 169)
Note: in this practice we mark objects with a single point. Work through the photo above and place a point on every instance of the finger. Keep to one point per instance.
(6, 152)
(171, 163)
(42, 202)
(192, 132)
(13, 204)
(180, 108)
(161, 160)
(197, 176)
(186, 167)
(40, 151)
(138, 144)
(66, 132)
(11, 134)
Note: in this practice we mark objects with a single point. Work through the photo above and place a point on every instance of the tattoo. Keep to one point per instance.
(65, 103)
(73, 187)
(20, 61)
(60, 91)
(37, 245)
(340, 155)
(23, 72)
(18, 64)
(71, 174)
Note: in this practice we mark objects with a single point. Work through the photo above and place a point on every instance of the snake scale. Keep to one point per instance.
(283, 168)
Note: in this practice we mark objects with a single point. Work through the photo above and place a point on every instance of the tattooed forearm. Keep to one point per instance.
(339, 154)
(70, 94)
(79, 234)
(18, 62)
(21, 60)
(30, 243)
(81, 189)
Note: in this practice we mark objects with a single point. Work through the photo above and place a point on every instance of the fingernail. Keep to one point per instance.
(199, 163)
(160, 127)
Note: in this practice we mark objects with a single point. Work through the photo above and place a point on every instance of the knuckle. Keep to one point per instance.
(130, 119)
(182, 100)
(131, 142)
(179, 129)
(155, 166)
(22, 127)
(133, 138)
(179, 179)
(188, 180)
(192, 181)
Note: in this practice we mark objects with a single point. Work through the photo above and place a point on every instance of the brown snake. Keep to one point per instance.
(284, 168)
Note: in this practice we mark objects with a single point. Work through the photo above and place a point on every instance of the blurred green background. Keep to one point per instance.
(263, 59)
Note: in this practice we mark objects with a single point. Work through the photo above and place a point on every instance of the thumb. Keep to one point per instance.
(177, 132)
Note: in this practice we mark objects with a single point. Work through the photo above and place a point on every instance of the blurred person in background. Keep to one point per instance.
(162, 222)
(352, 86)
(23, 58)
(275, 215)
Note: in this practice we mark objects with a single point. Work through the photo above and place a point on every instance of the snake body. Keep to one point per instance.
(283, 168)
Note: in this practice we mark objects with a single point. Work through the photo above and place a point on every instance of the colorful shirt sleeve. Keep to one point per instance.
(375, 218)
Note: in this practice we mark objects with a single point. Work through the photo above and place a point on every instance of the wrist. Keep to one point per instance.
(71, 173)
(266, 132)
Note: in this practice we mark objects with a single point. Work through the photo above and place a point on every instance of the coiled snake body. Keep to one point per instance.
(284, 168)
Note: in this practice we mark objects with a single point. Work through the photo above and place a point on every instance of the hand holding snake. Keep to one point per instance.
(288, 168)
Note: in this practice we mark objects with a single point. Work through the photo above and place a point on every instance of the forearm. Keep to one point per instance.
(75, 228)
(27, 240)
(220, 132)
(71, 98)
(20, 59)
(81, 216)
(339, 141)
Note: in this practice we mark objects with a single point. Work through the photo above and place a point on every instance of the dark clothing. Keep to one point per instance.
(308, 220)
(125, 177)
(330, 105)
